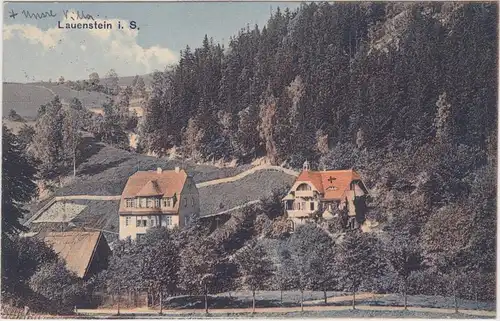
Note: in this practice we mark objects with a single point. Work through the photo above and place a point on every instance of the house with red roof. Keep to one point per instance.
(326, 195)
(157, 198)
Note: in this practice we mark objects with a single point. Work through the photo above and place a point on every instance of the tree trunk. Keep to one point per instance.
(253, 301)
(74, 163)
(161, 302)
(455, 299)
(406, 295)
(118, 305)
(206, 299)
(354, 299)
(324, 296)
(281, 297)
(302, 300)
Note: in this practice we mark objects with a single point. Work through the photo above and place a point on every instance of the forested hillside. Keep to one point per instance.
(403, 92)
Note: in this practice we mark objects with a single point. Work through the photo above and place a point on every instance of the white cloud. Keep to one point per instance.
(44, 54)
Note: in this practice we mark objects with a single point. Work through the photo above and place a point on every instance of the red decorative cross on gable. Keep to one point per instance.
(331, 179)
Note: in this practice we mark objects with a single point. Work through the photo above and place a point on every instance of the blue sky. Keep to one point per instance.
(37, 50)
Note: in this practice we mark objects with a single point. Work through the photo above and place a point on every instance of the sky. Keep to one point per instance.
(36, 49)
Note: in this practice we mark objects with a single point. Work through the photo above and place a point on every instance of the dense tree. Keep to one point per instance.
(139, 89)
(94, 79)
(25, 136)
(359, 260)
(161, 262)
(18, 176)
(198, 267)
(75, 104)
(313, 259)
(47, 145)
(255, 268)
(14, 116)
(21, 258)
(404, 255)
(112, 79)
(72, 137)
(60, 287)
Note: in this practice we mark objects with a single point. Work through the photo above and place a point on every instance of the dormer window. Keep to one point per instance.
(129, 202)
(166, 202)
(304, 187)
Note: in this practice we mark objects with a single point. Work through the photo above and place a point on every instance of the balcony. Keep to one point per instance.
(304, 193)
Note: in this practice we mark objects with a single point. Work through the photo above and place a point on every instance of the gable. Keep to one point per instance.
(75, 248)
(331, 184)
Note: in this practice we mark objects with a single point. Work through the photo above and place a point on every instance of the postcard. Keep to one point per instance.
(249, 160)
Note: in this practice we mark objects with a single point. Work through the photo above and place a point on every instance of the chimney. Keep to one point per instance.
(159, 170)
(177, 169)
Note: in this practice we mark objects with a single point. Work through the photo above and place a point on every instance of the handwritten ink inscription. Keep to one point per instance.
(73, 15)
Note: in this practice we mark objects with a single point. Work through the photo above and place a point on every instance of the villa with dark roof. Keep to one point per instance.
(157, 198)
(326, 195)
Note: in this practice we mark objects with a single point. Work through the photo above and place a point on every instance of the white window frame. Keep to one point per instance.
(127, 220)
(129, 202)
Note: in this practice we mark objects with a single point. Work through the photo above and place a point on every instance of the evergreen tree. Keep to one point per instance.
(18, 177)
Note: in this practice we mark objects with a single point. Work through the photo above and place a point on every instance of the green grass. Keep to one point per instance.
(305, 314)
(25, 99)
(106, 170)
(221, 197)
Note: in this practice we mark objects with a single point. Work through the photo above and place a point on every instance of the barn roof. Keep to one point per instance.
(75, 247)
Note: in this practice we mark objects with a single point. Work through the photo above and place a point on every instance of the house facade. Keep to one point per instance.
(326, 195)
(165, 198)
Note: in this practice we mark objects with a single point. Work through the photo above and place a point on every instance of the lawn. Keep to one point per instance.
(221, 197)
(106, 170)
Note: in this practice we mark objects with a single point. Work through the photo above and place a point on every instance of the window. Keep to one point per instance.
(141, 221)
(152, 221)
(129, 202)
(312, 206)
(127, 220)
(166, 202)
(304, 187)
(168, 220)
(186, 220)
(185, 202)
(157, 202)
(150, 203)
(143, 202)
(290, 225)
(192, 201)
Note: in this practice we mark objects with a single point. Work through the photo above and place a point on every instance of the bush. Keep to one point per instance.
(62, 288)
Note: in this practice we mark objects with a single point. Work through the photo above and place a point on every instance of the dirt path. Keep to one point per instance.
(308, 307)
(246, 173)
(334, 299)
(145, 311)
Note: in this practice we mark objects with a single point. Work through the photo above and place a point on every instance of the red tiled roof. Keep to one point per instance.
(166, 183)
(150, 189)
(332, 184)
